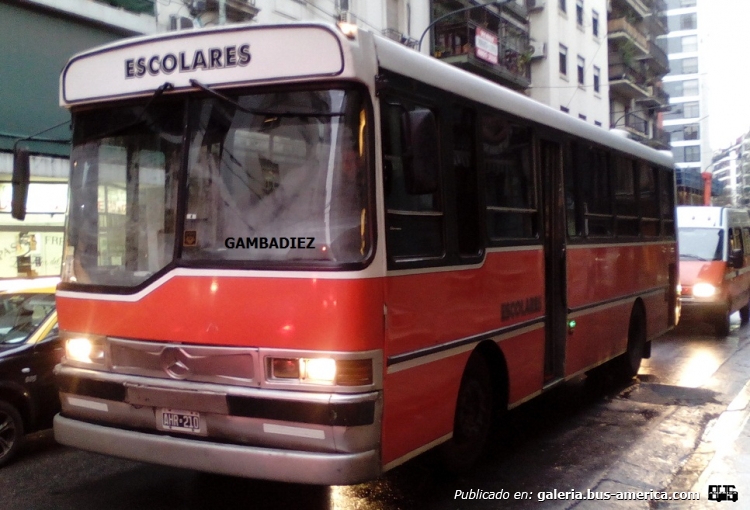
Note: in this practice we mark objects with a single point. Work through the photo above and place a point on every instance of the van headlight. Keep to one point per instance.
(704, 290)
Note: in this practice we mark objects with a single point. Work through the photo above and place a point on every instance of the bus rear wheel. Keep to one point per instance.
(473, 419)
(627, 365)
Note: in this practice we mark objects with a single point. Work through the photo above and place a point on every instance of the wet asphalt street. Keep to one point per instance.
(579, 437)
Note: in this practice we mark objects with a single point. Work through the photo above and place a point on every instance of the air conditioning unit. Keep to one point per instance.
(538, 49)
(534, 5)
(180, 23)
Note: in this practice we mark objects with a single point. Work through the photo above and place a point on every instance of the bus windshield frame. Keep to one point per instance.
(278, 178)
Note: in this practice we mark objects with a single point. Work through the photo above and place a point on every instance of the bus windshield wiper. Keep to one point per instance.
(158, 92)
(267, 113)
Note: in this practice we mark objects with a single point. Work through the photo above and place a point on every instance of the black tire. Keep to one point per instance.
(721, 323)
(745, 314)
(472, 423)
(11, 432)
(626, 365)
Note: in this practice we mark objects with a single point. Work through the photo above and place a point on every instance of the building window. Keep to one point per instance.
(691, 110)
(597, 74)
(564, 109)
(563, 60)
(691, 132)
(689, 43)
(692, 153)
(684, 66)
(597, 123)
(595, 23)
(562, 5)
(581, 116)
(579, 13)
(681, 88)
(690, 87)
(581, 68)
(682, 22)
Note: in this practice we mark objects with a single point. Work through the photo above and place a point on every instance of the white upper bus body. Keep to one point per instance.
(244, 55)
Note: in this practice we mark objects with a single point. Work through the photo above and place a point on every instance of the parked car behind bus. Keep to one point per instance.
(29, 350)
(714, 244)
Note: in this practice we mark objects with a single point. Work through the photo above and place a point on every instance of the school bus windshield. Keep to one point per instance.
(274, 179)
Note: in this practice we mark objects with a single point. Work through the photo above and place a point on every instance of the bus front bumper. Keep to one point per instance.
(227, 459)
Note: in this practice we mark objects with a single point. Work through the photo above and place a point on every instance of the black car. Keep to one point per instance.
(29, 349)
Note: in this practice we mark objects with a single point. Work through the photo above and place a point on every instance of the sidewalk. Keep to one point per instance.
(725, 447)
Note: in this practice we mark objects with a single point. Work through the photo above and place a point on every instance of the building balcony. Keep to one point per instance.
(505, 60)
(627, 81)
(656, 60)
(237, 10)
(641, 7)
(620, 31)
(657, 98)
(660, 139)
(633, 124)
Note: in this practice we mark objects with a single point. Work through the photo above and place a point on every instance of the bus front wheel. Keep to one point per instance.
(473, 419)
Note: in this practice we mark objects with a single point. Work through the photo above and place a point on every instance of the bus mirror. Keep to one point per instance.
(20, 181)
(421, 161)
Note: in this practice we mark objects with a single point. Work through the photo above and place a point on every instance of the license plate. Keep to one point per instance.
(180, 421)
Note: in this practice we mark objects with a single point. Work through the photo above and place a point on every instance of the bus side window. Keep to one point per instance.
(666, 201)
(649, 206)
(626, 206)
(466, 187)
(594, 194)
(509, 180)
(414, 218)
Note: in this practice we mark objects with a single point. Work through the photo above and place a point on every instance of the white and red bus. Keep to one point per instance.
(308, 253)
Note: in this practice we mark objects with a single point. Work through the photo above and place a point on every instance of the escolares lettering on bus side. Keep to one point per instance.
(520, 307)
(266, 243)
(210, 58)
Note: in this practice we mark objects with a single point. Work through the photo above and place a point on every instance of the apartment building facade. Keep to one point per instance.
(637, 64)
(687, 86)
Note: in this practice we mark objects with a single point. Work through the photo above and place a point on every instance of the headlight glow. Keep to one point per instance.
(347, 372)
(703, 290)
(84, 350)
(319, 369)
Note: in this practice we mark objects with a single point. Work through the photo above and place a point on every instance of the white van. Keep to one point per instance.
(714, 245)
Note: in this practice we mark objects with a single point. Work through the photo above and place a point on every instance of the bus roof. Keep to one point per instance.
(398, 58)
(222, 56)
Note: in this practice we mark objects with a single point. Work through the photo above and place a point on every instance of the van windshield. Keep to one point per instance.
(700, 243)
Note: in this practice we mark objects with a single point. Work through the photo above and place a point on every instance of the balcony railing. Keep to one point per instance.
(620, 27)
(661, 138)
(629, 74)
(455, 42)
(657, 55)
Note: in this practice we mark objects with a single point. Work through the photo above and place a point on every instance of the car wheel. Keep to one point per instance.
(745, 314)
(473, 419)
(11, 432)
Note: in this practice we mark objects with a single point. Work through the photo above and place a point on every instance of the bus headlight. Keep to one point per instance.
(329, 371)
(84, 350)
(703, 290)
